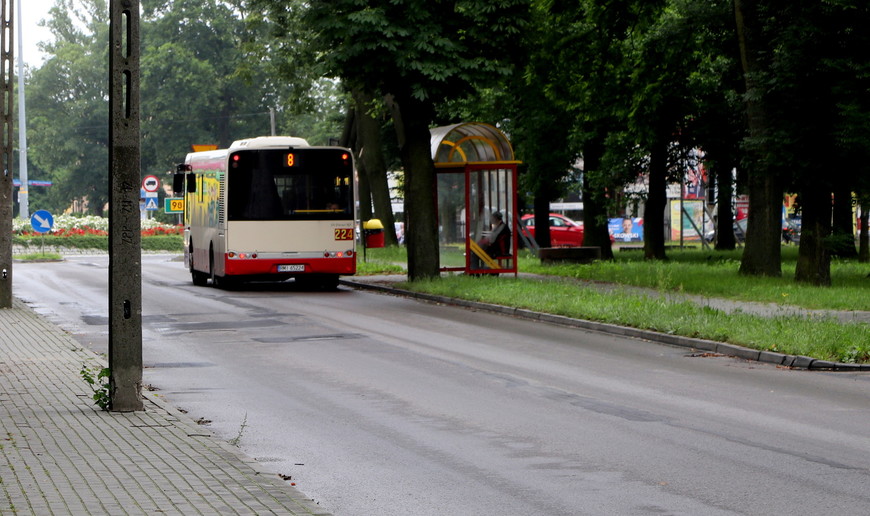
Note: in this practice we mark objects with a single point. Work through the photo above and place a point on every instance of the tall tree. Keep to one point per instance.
(850, 72)
(864, 233)
(420, 52)
(198, 84)
(663, 106)
(715, 83)
(580, 67)
(762, 255)
(68, 105)
(804, 67)
(541, 132)
(371, 151)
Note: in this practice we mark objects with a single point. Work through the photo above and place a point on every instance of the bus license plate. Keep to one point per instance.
(298, 267)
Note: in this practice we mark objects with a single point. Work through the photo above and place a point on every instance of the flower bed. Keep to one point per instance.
(92, 233)
(69, 226)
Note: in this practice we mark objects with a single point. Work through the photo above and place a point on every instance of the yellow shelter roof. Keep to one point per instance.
(470, 142)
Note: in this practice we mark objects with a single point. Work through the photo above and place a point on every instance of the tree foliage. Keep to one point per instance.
(200, 84)
(807, 82)
(419, 53)
(68, 108)
(629, 88)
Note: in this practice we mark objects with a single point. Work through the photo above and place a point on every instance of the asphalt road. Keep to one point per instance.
(376, 404)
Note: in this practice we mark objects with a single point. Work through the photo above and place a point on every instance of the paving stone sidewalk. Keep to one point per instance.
(60, 454)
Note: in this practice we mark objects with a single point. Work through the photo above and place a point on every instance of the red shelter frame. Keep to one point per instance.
(477, 177)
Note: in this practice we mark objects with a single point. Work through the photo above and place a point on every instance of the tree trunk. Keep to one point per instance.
(594, 210)
(350, 139)
(864, 236)
(843, 228)
(720, 169)
(763, 252)
(814, 257)
(348, 130)
(542, 215)
(657, 200)
(365, 192)
(762, 255)
(222, 124)
(372, 157)
(421, 235)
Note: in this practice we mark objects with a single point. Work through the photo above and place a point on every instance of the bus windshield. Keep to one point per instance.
(292, 184)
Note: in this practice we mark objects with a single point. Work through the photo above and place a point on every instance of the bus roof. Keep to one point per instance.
(269, 142)
(207, 160)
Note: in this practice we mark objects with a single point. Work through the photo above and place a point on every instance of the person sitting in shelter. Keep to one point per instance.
(495, 243)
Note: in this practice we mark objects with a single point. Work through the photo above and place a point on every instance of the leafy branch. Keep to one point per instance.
(98, 380)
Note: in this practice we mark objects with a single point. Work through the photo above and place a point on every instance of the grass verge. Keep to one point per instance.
(39, 257)
(716, 274)
(821, 338)
(383, 260)
(701, 273)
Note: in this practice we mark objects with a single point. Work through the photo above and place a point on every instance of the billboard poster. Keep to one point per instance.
(695, 182)
(693, 212)
(626, 229)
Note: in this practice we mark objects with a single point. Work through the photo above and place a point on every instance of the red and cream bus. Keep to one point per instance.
(269, 208)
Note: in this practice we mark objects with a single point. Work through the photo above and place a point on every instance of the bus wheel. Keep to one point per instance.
(318, 281)
(200, 279)
(329, 282)
(223, 282)
(215, 280)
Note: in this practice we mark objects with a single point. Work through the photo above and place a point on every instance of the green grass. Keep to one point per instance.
(384, 260)
(715, 274)
(39, 257)
(702, 273)
(825, 339)
(169, 243)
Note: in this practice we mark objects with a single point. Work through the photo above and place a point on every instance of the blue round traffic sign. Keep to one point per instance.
(41, 221)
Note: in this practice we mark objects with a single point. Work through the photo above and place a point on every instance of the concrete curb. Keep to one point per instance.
(723, 348)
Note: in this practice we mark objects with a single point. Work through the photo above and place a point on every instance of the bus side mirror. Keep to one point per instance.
(178, 179)
(191, 183)
(177, 183)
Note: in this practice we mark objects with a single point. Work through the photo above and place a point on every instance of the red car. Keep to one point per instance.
(564, 232)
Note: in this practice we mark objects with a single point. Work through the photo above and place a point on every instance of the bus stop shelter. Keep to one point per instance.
(477, 187)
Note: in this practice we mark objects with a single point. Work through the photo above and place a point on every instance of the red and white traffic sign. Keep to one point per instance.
(150, 183)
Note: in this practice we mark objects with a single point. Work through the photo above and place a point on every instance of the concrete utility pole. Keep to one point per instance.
(6, 59)
(125, 254)
(23, 203)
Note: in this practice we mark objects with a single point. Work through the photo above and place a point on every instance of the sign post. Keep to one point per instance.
(150, 183)
(173, 205)
(41, 221)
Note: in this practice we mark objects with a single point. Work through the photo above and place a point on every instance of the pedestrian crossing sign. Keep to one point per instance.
(151, 204)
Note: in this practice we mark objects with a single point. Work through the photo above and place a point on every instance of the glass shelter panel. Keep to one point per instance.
(451, 218)
(490, 241)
